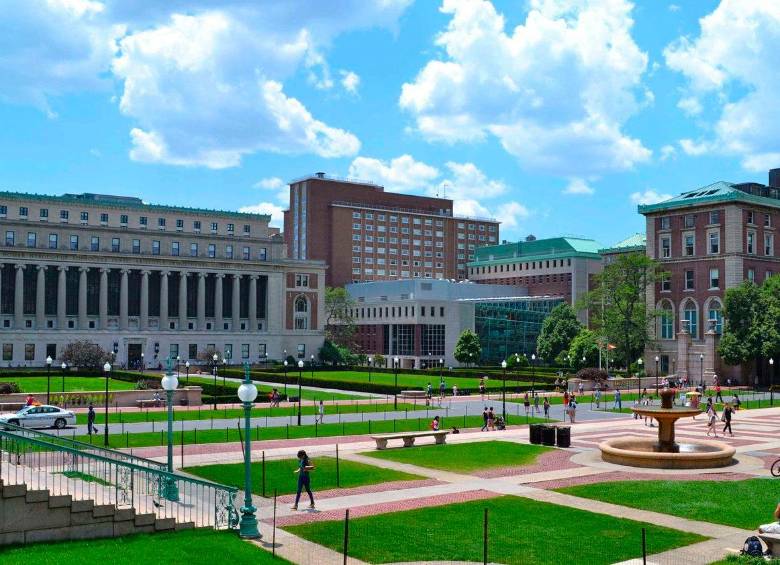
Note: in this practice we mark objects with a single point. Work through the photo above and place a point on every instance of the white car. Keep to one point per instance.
(40, 417)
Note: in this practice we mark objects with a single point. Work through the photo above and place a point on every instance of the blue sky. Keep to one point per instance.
(555, 116)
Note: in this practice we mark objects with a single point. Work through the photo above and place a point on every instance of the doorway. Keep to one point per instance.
(134, 355)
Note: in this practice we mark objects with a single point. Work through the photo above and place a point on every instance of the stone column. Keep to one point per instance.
(236, 302)
(19, 297)
(103, 298)
(218, 320)
(252, 303)
(123, 324)
(710, 345)
(164, 300)
(683, 344)
(40, 298)
(143, 322)
(183, 300)
(275, 302)
(83, 297)
(62, 292)
(201, 301)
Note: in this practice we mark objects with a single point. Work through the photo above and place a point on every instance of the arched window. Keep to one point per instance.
(301, 313)
(666, 320)
(715, 312)
(691, 316)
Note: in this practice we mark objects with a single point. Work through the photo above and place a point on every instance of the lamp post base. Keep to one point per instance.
(247, 527)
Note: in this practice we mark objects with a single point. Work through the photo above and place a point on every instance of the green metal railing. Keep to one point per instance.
(108, 477)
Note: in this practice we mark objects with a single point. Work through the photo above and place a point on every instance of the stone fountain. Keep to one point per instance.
(666, 453)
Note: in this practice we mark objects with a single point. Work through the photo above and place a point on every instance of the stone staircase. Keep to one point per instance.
(30, 516)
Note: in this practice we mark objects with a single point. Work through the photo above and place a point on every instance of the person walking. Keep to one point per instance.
(712, 420)
(618, 400)
(597, 397)
(718, 397)
(304, 479)
(728, 411)
(572, 410)
(565, 398)
(736, 402)
(454, 390)
(491, 420)
(321, 412)
(91, 420)
(484, 420)
(482, 388)
(536, 403)
(442, 388)
(581, 388)
(526, 403)
(546, 407)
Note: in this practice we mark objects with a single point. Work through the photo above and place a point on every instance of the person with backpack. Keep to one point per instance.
(91, 420)
(491, 420)
(304, 479)
(726, 417)
(546, 407)
(484, 420)
(526, 403)
(712, 420)
(572, 409)
(774, 527)
(536, 403)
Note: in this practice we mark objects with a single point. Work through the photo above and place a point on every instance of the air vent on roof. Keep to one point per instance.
(530, 237)
(319, 175)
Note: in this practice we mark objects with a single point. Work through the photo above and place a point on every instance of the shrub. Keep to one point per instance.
(85, 355)
(9, 388)
(148, 384)
(592, 374)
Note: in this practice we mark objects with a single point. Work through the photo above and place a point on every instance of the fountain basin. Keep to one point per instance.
(642, 452)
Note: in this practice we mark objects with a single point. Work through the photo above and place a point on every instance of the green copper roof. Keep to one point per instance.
(555, 247)
(125, 203)
(720, 191)
(636, 242)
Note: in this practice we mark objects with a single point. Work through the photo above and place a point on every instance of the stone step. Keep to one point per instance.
(60, 501)
(162, 524)
(100, 510)
(37, 496)
(145, 519)
(185, 526)
(82, 505)
(124, 514)
(12, 491)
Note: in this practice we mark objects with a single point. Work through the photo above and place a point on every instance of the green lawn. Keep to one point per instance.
(279, 475)
(37, 384)
(86, 477)
(464, 457)
(259, 411)
(188, 547)
(519, 531)
(743, 504)
(231, 388)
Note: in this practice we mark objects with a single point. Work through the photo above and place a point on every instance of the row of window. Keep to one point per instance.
(689, 279)
(690, 317)
(547, 264)
(135, 246)
(394, 262)
(124, 220)
(713, 244)
(395, 273)
(419, 221)
(368, 313)
(714, 218)
(392, 251)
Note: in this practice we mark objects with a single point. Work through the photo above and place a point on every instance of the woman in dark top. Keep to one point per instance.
(304, 466)
(727, 412)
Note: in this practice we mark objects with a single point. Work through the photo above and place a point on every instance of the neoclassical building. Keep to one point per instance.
(708, 240)
(148, 281)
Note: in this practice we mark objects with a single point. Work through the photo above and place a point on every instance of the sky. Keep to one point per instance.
(557, 117)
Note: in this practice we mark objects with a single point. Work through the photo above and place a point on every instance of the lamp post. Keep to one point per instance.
(170, 383)
(48, 377)
(300, 371)
(311, 367)
(187, 367)
(503, 391)
(396, 361)
(107, 371)
(533, 373)
(657, 359)
(771, 381)
(143, 365)
(639, 362)
(64, 368)
(247, 393)
(441, 368)
(285, 378)
(215, 359)
(370, 360)
(701, 372)
(224, 370)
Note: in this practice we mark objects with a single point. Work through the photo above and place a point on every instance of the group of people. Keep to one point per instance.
(491, 422)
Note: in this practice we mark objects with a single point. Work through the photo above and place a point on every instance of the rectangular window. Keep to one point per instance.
(715, 217)
(302, 280)
(212, 250)
(751, 275)
(175, 248)
(247, 229)
(751, 243)
(115, 244)
(767, 220)
(53, 243)
(43, 213)
(173, 350)
(666, 283)
(196, 225)
(231, 228)
(94, 243)
(179, 224)
(155, 247)
(193, 249)
(689, 242)
(244, 351)
(136, 246)
(666, 247)
(74, 243)
(123, 219)
(769, 244)
(714, 243)
(301, 350)
(192, 351)
(29, 352)
(262, 254)
(8, 352)
(714, 278)
(689, 220)
(103, 218)
(246, 253)
(32, 239)
(751, 217)
(689, 280)
(143, 221)
(23, 211)
(228, 251)
(84, 217)
(214, 226)
(64, 215)
(3, 210)
(161, 223)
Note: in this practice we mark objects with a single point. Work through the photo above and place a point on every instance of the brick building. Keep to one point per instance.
(708, 240)
(559, 266)
(366, 234)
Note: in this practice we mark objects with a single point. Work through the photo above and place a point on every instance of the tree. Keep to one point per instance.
(584, 344)
(516, 361)
(379, 360)
(618, 305)
(339, 321)
(85, 355)
(207, 356)
(558, 331)
(330, 353)
(468, 349)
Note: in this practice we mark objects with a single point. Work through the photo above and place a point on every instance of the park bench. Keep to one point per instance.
(414, 394)
(772, 542)
(150, 403)
(409, 437)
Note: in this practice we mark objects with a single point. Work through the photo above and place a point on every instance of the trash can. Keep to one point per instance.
(563, 434)
(548, 435)
(535, 433)
(292, 399)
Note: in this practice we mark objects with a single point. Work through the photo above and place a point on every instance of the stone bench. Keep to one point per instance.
(150, 403)
(772, 542)
(414, 394)
(409, 437)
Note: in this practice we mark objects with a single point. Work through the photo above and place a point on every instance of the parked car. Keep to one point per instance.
(40, 417)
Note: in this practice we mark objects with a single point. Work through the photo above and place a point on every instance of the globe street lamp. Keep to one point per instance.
(64, 368)
(300, 371)
(396, 361)
(639, 362)
(143, 365)
(657, 359)
(503, 391)
(170, 383)
(48, 377)
(441, 368)
(311, 366)
(533, 373)
(370, 360)
(107, 371)
(285, 378)
(771, 381)
(701, 372)
(187, 366)
(247, 393)
(215, 359)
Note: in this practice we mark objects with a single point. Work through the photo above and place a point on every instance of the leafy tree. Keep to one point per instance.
(468, 349)
(339, 322)
(330, 353)
(558, 330)
(585, 344)
(618, 305)
(85, 355)
(379, 360)
(516, 361)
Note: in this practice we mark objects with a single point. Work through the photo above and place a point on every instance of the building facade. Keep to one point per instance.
(707, 240)
(560, 266)
(366, 234)
(149, 281)
(420, 321)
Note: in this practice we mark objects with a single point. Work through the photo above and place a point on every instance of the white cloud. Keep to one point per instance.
(510, 214)
(674, 8)
(555, 91)
(402, 174)
(578, 186)
(467, 181)
(277, 185)
(690, 105)
(350, 81)
(668, 152)
(277, 212)
(649, 196)
(695, 148)
(732, 68)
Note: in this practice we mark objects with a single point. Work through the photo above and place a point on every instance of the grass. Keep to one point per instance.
(520, 530)
(86, 477)
(465, 457)
(259, 411)
(231, 387)
(37, 384)
(279, 475)
(157, 438)
(188, 547)
(743, 504)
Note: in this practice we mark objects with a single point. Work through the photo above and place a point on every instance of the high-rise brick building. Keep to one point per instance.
(366, 234)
